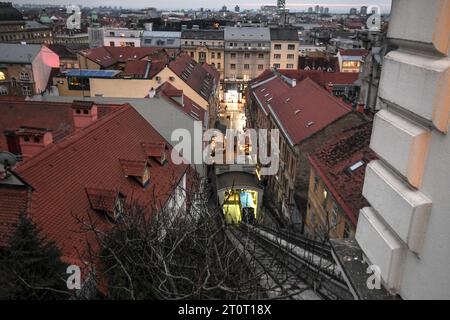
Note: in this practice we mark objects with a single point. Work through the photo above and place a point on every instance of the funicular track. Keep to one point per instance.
(301, 268)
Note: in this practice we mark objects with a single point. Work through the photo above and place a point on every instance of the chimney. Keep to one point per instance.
(84, 113)
(294, 83)
(33, 140)
(152, 93)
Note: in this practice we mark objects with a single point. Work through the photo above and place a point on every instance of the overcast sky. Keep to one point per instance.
(334, 5)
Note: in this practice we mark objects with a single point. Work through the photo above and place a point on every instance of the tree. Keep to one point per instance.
(31, 266)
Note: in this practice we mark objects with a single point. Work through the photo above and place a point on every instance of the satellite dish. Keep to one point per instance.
(7, 159)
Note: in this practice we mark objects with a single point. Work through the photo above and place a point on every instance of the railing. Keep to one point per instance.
(310, 260)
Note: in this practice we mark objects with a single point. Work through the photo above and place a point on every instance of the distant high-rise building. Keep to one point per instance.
(321, 10)
(224, 8)
(237, 9)
(281, 4)
(363, 11)
(353, 11)
(310, 9)
(317, 9)
(326, 10)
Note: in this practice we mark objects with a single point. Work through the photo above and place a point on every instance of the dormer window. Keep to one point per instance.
(136, 169)
(109, 202)
(156, 151)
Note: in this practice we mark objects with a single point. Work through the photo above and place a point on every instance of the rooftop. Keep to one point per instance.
(9, 13)
(202, 78)
(110, 56)
(247, 33)
(301, 110)
(188, 106)
(284, 34)
(57, 117)
(68, 175)
(203, 34)
(19, 53)
(342, 164)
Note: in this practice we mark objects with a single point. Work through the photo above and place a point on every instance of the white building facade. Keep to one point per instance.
(406, 231)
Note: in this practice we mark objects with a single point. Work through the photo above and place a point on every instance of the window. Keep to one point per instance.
(218, 65)
(289, 66)
(111, 43)
(233, 66)
(277, 47)
(351, 64)
(219, 55)
(148, 41)
(26, 91)
(213, 55)
(3, 91)
(346, 231)
(260, 66)
(24, 76)
(78, 83)
(261, 56)
(246, 67)
(316, 184)
(233, 56)
(290, 56)
(129, 44)
(291, 46)
(2, 76)
(170, 41)
(334, 214)
(325, 198)
(277, 56)
(111, 34)
(247, 56)
(276, 65)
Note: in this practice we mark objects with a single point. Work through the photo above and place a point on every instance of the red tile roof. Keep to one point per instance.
(57, 117)
(169, 92)
(300, 111)
(333, 162)
(322, 78)
(314, 63)
(101, 199)
(107, 57)
(202, 78)
(89, 159)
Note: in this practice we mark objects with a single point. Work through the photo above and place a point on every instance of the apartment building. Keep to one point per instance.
(168, 40)
(25, 69)
(284, 48)
(122, 37)
(405, 231)
(14, 29)
(336, 182)
(205, 46)
(307, 116)
(247, 55)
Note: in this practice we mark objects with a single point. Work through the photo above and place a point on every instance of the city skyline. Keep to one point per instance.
(334, 5)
